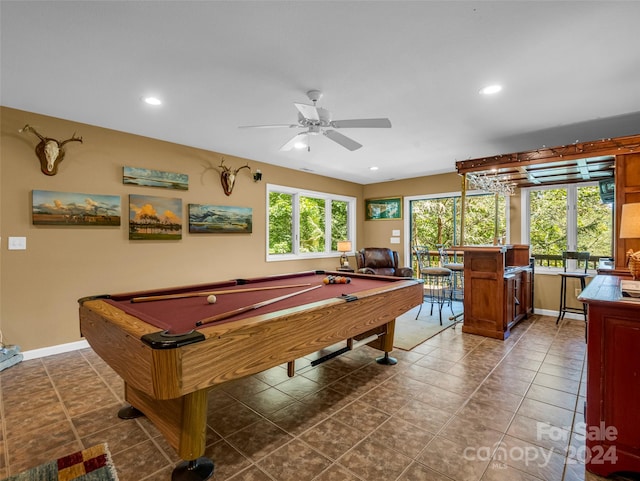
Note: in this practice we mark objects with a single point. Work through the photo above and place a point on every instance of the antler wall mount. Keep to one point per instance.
(228, 176)
(50, 151)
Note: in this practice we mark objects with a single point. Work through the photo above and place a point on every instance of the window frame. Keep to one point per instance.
(296, 193)
(408, 252)
(572, 217)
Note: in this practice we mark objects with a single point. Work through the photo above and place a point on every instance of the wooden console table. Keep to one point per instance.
(498, 288)
(613, 378)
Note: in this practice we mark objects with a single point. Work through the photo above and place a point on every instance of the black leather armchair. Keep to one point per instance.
(381, 261)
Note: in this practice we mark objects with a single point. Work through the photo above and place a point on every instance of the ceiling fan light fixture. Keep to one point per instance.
(152, 100)
(491, 89)
(318, 120)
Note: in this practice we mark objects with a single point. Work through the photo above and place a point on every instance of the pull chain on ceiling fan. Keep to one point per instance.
(317, 120)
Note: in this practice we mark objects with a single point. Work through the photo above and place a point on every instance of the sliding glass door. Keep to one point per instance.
(435, 219)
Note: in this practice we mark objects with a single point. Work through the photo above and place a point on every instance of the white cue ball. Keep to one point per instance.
(211, 299)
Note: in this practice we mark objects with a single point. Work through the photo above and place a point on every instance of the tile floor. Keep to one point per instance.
(457, 407)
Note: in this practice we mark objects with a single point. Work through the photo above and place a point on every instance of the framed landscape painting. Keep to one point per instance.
(155, 178)
(380, 209)
(220, 219)
(75, 209)
(154, 218)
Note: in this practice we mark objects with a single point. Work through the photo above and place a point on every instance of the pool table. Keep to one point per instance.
(170, 345)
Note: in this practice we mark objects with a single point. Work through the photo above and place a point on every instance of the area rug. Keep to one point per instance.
(410, 332)
(92, 464)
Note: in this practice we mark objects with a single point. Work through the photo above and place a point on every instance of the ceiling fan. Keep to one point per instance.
(317, 120)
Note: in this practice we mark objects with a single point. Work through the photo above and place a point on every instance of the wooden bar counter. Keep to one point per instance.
(613, 378)
(498, 288)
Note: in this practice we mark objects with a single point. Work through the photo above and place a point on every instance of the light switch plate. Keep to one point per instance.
(395, 232)
(17, 243)
(395, 240)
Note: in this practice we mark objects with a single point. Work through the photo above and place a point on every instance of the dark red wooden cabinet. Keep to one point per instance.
(613, 379)
(498, 288)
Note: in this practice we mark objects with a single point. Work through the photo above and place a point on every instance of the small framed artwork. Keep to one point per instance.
(155, 178)
(383, 209)
(154, 218)
(75, 209)
(220, 219)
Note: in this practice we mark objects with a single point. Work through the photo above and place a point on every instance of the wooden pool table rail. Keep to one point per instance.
(236, 349)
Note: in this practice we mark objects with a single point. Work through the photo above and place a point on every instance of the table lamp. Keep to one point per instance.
(630, 229)
(344, 247)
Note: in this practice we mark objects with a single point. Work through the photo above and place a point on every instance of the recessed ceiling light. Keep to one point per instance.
(299, 145)
(491, 89)
(373, 168)
(152, 100)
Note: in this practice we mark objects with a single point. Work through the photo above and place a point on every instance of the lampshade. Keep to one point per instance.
(344, 246)
(629, 222)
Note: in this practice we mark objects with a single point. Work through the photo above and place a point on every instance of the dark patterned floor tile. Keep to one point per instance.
(295, 460)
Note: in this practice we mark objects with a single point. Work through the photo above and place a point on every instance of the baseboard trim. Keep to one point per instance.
(51, 350)
(552, 313)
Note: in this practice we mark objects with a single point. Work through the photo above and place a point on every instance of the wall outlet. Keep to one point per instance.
(578, 291)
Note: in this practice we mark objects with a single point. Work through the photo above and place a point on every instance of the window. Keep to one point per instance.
(303, 224)
(436, 219)
(480, 218)
(566, 218)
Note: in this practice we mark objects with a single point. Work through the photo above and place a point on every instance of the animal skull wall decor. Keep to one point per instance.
(228, 176)
(50, 152)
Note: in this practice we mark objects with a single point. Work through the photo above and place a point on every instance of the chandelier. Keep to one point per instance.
(491, 183)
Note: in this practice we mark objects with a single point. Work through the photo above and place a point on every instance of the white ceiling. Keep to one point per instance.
(570, 71)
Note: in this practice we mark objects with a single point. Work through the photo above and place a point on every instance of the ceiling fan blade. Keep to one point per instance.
(293, 141)
(308, 111)
(362, 123)
(343, 140)
(290, 126)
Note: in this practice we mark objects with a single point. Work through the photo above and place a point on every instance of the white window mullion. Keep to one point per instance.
(525, 227)
(296, 224)
(327, 225)
(351, 224)
(572, 217)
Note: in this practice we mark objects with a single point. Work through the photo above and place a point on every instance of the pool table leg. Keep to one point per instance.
(386, 359)
(183, 422)
(129, 412)
(195, 470)
(387, 345)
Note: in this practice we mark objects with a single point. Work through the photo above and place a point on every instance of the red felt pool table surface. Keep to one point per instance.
(180, 315)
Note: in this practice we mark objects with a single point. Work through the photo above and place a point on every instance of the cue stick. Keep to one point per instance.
(257, 305)
(203, 294)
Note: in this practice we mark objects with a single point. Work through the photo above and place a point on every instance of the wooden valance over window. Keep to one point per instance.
(579, 162)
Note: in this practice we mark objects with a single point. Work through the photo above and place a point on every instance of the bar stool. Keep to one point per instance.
(579, 274)
(437, 281)
(457, 273)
